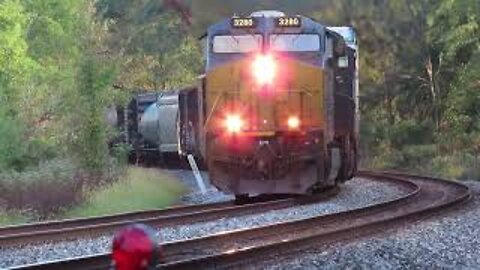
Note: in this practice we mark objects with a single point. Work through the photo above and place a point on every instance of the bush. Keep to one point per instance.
(19, 152)
(457, 166)
(382, 157)
(410, 132)
(424, 159)
(417, 157)
(47, 188)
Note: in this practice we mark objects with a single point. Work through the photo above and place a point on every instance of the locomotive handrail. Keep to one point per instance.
(217, 99)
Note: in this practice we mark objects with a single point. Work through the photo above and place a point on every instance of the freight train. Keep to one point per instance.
(276, 111)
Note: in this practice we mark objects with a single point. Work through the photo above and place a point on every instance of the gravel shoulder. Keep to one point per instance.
(194, 196)
(448, 242)
(354, 194)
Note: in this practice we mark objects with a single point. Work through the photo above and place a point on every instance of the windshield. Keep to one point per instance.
(295, 42)
(237, 44)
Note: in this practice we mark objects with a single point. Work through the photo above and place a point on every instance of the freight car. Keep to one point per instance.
(277, 109)
(149, 125)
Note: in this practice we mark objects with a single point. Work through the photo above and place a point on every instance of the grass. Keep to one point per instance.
(7, 219)
(140, 189)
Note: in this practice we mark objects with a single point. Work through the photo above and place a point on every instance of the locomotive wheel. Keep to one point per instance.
(322, 178)
(241, 199)
(343, 172)
(348, 155)
(354, 159)
(323, 164)
(322, 172)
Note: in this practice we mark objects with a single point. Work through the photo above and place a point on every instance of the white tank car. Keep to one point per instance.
(158, 124)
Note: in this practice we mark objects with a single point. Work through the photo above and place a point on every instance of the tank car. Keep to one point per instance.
(149, 124)
(276, 111)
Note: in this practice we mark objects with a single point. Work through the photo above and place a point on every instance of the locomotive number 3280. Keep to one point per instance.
(288, 22)
(243, 22)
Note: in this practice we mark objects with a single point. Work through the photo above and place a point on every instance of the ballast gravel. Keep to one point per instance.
(195, 196)
(448, 242)
(354, 194)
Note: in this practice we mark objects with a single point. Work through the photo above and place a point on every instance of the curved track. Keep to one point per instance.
(169, 217)
(10, 232)
(242, 248)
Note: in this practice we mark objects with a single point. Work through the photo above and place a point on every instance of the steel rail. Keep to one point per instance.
(432, 196)
(102, 261)
(61, 224)
(85, 228)
(244, 247)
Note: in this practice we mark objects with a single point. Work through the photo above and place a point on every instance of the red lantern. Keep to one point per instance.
(136, 248)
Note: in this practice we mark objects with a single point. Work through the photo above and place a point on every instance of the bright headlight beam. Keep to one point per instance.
(293, 122)
(264, 69)
(234, 123)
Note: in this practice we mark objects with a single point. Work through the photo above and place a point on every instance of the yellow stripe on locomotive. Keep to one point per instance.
(265, 93)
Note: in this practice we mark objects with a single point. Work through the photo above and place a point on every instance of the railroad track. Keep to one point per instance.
(169, 217)
(242, 248)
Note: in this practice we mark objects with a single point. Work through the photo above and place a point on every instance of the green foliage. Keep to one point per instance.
(53, 91)
(15, 65)
(18, 151)
(460, 165)
(120, 153)
(455, 27)
(181, 67)
(95, 78)
(9, 219)
(419, 82)
(10, 142)
(152, 43)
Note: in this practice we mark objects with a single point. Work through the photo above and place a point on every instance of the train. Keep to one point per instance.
(275, 112)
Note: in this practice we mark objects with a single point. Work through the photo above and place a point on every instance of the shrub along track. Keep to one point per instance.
(243, 248)
(180, 215)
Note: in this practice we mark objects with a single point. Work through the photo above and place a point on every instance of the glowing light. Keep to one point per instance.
(293, 122)
(264, 69)
(234, 123)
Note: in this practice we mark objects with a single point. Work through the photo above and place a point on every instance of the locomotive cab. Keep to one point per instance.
(266, 105)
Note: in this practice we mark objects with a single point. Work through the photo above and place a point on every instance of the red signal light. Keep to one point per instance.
(234, 123)
(264, 69)
(135, 248)
(293, 122)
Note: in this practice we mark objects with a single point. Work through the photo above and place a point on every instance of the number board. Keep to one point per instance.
(288, 22)
(244, 23)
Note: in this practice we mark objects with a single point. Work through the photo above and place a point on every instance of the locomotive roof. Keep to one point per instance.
(264, 19)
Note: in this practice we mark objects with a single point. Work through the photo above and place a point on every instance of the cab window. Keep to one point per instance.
(237, 43)
(295, 42)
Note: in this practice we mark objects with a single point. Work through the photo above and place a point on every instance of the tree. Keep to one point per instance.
(148, 39)
(15, 65)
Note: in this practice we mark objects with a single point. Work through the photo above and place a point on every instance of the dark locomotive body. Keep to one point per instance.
(297, 135)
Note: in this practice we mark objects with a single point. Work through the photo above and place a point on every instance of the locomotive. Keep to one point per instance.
(276, 111)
